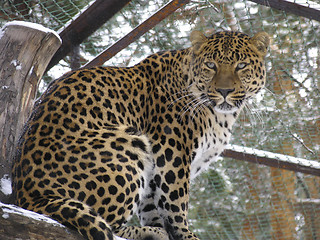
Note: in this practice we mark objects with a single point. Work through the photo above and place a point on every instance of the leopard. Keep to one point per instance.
(103, 144)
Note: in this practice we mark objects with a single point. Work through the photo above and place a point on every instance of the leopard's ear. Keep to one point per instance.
(197, 38)
(261, 42)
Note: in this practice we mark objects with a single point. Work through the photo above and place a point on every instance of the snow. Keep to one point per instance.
(8, 209)
(5, 185)
(17, 64)
(30, 71)
(32, 25)
(280, 157)
(309, 4)
(118, 238)
(309, 200)
(1, 33)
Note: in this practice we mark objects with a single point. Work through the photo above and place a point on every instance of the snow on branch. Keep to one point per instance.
(273, 159)
(18, 223)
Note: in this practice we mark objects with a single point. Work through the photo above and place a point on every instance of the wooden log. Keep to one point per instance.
(25, 51)
(18, 223)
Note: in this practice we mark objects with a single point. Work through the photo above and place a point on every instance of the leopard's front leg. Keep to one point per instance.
(172, 200)
(167, 203)
(147, 211)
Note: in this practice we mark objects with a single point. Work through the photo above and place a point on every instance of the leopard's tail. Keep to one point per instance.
(76, 215)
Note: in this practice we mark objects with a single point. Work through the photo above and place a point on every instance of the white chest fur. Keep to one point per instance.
(211, 144)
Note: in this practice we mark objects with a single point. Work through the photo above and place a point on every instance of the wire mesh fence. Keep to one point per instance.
(233, 199)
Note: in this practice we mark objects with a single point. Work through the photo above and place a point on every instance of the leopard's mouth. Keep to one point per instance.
(225, 108)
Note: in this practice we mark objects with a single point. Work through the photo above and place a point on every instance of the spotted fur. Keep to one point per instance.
(105, 143)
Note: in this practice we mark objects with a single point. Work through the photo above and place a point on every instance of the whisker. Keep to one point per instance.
(188, 106)
(178, 99)
(269, 91)
(195, 106)
(254, 113)
(199, 107)
(184, 90)
(195, 109)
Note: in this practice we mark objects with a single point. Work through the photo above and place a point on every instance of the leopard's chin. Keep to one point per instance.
(226, 108)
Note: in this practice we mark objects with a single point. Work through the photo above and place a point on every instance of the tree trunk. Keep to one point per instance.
(310, 209)
(25, 51)
(282, 215)
(250, 225)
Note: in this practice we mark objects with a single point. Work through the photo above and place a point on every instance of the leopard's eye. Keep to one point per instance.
(241, 65)
(211, 65)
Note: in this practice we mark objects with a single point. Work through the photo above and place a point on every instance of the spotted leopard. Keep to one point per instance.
(105, 143)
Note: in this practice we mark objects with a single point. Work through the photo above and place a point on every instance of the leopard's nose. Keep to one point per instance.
(224, 91)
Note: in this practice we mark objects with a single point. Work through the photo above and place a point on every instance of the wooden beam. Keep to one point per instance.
(137, 32)
(273, 160)
(86, 24)
(291, 7)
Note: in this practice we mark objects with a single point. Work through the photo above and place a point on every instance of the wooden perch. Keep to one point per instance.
(25, 51)
(18, 223)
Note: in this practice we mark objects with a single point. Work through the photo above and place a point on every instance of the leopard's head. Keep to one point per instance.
(227, 68)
